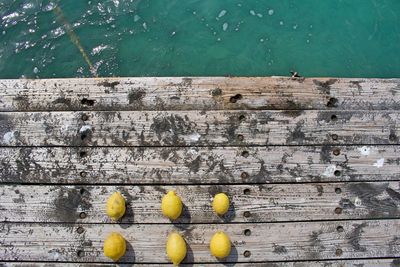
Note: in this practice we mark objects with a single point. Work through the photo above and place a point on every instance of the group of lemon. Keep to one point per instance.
(171, 206)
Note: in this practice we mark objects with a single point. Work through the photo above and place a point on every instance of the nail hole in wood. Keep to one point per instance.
(334, 117)
(235, 98)
(87, 102)
(240, 137)
(242, 117)
(83, 136)
(80, 253)
(84, 117)
(246, 191)
(336, 151)
(83, 174)
(337, 173)
(392, 137)
(82, 215)
(216, 92)
(82, 191)
(338, 210)
(338, 190)
(246, 214)
(245, 154)
(244, 175)
(247, 232)
(339, 252)
(247, 254)
(335, 137)
(332, 102)
(83, 154)
(339, 228)
(80, 230)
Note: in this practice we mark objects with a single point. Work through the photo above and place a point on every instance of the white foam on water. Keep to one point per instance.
(136, 18)
(222, 13)
(270, 12)
(99, 49)
(225, 26)
(259, 15)
(252, 12)
(144, 26)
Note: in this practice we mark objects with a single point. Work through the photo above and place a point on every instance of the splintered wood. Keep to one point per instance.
(311, 167)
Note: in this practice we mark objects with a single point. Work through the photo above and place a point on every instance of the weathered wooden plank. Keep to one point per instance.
(198, 165)
(393, 262)
(207, 93)
(264, 242)
(261, 203)
(194, 128)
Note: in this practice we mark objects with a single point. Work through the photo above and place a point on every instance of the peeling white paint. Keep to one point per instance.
(9, 138)
(365, 151)
(298, 179)
(194, 137)
(379, 163)
(329, 171)
(85, 128)
(357, 202)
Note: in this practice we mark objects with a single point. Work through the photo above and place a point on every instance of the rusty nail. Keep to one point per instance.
(240, 137)
(247, 214)
(84, 117)
(244, 175)
(247, 254)
(83, 174)
(336, 151)
(338, 210)
(339, 252)
(80, 230)
(82, 215)
(334, 137)
(247, 232)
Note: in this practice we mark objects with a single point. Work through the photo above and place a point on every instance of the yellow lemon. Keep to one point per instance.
(171, 205)
(114, 246)
(115, 207)
(220, 245)
(220, 203)
(176, 248)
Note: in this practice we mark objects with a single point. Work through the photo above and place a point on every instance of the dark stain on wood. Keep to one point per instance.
(293, 112)
(63, 101)
(67, 202)
(320, 189)
(109, 84)
(395, 263)
(316, 244)
(279, 249)
(136, 96)
(354, 237)
(371, 197)
(168, 128)
(325, 87)
(194, 165)
(296, 135)
(394, 245)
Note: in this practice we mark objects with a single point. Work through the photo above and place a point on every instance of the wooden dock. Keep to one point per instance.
(311, 165)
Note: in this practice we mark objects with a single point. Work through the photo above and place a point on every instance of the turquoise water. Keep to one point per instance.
(347, 38)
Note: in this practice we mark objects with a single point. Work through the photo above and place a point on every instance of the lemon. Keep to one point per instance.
(114, 246)
(176, 248)
(220, 203)
(171, 205)
(220, 245)
(115, 207)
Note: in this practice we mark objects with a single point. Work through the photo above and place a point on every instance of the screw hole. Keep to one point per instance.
(244, 175)
(82, 215)
(245, 154)
(80, 253)
(334, 117)
(82, 191)
(84, 117)
(339, 228)
(338, 210)
(83, 174)
(235, 98)
(336, 151)
(337, 173)
(246, 191)
(335, 137)
(83, 154)
(80, 230)
(338, 190)
(246, 214)
(87, 102)
(247, 254)
(242, 117)
(247, 232)
(339, 252)
(392, 137)
(240, 137)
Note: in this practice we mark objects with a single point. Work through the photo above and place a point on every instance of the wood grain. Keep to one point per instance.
(194, 128)
(146, 243)
(393, 262)
(198, 165)
(261, 203)
(202, 93)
